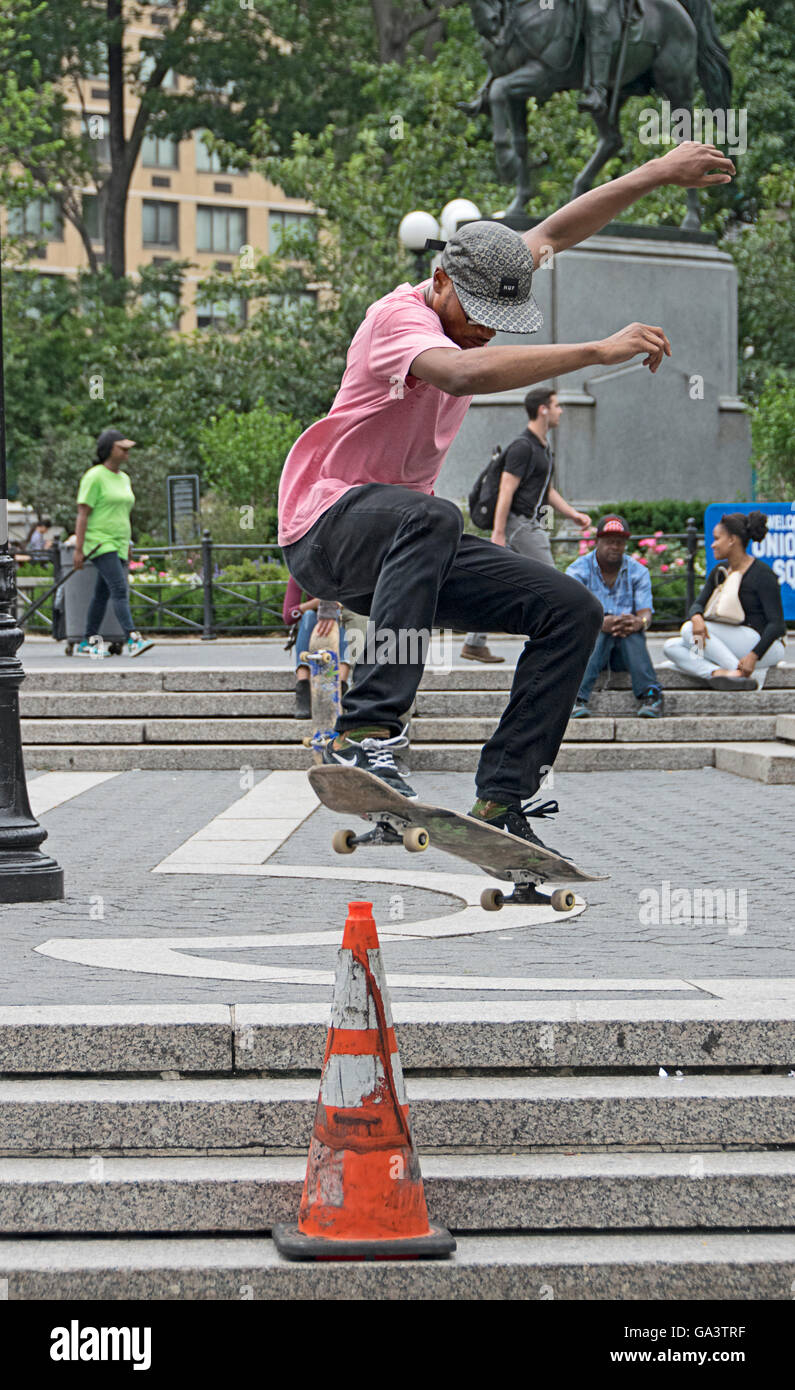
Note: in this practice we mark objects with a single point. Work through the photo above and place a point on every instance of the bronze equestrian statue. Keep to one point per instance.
(535, 48)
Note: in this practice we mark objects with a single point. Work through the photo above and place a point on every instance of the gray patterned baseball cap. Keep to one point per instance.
(491, 268)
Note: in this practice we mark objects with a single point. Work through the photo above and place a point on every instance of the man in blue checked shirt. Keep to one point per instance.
(623, 587)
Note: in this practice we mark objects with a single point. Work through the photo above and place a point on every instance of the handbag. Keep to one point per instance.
(724, 604)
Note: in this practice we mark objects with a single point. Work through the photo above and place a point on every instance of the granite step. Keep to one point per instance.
(86, 675)
(620, 1191)
(579, 756)
(673, 1031)
(668, 1266)
(773, 763)
(785, 727)
(684, 729)
(486, 1112)
(268, 704)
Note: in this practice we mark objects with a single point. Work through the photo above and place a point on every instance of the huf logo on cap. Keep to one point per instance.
(509, 287)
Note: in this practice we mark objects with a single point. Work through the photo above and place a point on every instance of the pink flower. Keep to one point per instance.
(664, 568)
(641, 560)
(161, 574)
(136, 565)
(658, 533)
(679, 562)
(660, 548)
(647, 541)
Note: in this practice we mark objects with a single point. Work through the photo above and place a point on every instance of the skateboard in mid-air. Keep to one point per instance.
(323, 660)
(416, 825)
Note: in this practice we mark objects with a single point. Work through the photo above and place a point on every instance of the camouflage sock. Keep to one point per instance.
(356, 735)
(488, 810)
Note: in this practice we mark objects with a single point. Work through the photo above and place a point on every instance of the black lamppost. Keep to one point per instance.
(26, 874)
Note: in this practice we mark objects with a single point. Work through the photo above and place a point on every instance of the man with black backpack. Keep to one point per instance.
(517, 499)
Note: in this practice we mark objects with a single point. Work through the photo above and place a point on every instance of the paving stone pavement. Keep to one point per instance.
(693, 830)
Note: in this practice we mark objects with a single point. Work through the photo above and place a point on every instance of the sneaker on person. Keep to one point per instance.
(374, 751)
(581, 710)
(92, 646)
(650, 705)
(479, 654)
(137, 644)
(512, 816)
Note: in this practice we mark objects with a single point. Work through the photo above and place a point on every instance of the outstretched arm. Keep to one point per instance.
(689, 165)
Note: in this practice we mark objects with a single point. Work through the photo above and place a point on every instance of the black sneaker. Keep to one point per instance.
(376, 755)
(650, 705)
(514, 819)
(303, 700)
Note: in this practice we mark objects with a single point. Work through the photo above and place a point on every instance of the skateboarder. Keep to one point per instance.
(358, 520)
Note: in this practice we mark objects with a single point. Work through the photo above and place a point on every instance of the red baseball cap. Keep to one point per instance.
(613, 525)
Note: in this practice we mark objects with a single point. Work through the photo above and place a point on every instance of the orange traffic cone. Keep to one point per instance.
(363, 1195)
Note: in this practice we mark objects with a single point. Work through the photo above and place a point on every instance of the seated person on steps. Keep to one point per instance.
(623, 587)
(741, 637)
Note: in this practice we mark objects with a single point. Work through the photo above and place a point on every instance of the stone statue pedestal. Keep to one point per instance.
(625, 433)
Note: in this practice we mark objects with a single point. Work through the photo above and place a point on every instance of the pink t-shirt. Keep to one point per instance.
(385, 426)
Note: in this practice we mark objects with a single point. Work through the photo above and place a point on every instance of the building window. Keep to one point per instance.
(160, 223)
(42, 218)
(279, 222)
(290, 304)
(147, 68)
(159, 152)
(91, 216)
(226, 314)
(96, 133)
(165, 304)
(209, 161)
(220, 229)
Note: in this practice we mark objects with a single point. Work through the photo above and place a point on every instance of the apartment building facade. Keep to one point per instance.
(182, 204)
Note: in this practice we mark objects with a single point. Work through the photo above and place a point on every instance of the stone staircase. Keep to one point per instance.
(150, 717)
(147, 1152)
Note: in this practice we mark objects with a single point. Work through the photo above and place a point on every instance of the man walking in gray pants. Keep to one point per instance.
(526, 498)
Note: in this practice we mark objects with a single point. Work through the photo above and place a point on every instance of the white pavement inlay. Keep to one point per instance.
(53, 788)
(249, 831)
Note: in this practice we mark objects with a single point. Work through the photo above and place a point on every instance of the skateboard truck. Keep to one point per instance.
(525, 893)
(388, 830)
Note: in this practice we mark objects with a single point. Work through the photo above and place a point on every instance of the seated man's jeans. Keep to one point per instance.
(622, 654)
(305, 629)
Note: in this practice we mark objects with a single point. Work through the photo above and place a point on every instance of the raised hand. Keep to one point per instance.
(635, 338)
(693, 165)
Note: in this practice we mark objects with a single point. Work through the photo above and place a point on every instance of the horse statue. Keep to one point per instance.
(534, 50)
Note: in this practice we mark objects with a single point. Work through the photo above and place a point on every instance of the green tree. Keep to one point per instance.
(243, 454)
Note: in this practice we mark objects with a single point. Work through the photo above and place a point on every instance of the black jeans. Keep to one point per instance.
(400, 556)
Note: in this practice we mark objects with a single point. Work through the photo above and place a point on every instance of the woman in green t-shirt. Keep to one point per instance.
(104, 502)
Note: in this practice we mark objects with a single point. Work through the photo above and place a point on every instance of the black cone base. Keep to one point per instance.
(291, 1243)
(28, 876)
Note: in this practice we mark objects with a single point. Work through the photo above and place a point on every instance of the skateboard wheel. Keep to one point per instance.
(492, 899)
(342, 841)
(563, 900)
(416, 838)
(69, 648)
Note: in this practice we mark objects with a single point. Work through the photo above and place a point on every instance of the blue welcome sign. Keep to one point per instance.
(776, 550)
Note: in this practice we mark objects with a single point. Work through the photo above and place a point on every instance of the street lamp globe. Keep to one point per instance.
(458, 210)
(415, 229)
